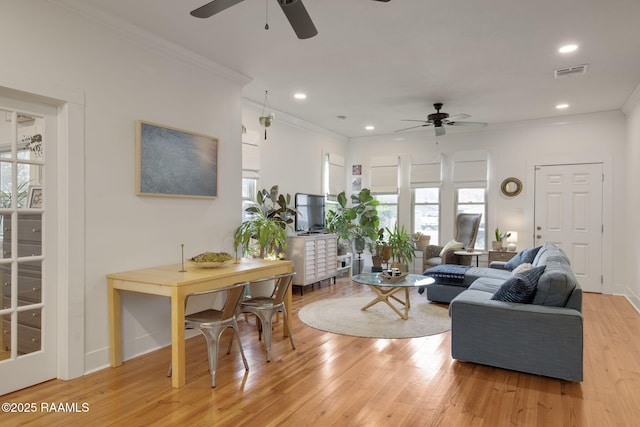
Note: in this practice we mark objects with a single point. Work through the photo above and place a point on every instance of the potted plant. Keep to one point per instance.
(267, 226)
(339, 222)
(366, 224)
(421, 241)
(498, 244)
(402, 247)
(380, 250)
(358, 223)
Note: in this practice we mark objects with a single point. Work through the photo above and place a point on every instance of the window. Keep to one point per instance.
(249, 191)
(473, 200)
(426, 212)
(387, 209)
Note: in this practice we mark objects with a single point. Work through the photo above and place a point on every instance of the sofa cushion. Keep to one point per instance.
(486, 284)
(524, 256)
(520, 288)
(555, 286)
(550, 251)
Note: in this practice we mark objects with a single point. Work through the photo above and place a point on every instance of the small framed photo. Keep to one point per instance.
(35, 197)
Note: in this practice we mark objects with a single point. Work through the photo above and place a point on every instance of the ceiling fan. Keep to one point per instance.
(294, 10)
(438, 120)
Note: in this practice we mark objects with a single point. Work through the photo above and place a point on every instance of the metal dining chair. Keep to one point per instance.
(264, 308)
(212, 323)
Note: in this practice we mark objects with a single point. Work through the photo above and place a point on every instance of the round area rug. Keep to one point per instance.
(344, 316)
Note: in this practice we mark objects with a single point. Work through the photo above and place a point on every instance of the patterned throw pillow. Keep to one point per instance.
(525, 256)
(521, 287)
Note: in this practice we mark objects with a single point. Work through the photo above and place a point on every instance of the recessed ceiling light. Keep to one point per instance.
(300, 96)
(562, 106)
(369, 127)
(568, 48)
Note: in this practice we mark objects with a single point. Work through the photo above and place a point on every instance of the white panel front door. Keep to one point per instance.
(28, 235)
(568, 213)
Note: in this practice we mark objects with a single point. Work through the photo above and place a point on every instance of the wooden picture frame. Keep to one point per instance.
(511, 186)
(35, 197)
(172, 162)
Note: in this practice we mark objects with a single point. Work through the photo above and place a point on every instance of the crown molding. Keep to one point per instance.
(293, 120)
(150, 41)
(632, 101)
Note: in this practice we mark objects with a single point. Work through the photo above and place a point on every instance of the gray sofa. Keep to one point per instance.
(544, 337)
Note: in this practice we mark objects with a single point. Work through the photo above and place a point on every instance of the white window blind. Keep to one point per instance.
(470, 169)
(336, 174)
(384, 174)
(426, 171)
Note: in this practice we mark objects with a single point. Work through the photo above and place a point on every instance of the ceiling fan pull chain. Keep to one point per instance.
(266, 24)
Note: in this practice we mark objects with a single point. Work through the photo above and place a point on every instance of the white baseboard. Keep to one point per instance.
(99, 359)
(633, 299)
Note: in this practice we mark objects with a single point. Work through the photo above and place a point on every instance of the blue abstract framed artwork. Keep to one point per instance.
(175, 163)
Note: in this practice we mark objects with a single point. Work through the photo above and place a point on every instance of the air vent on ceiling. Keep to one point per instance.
(570, 71)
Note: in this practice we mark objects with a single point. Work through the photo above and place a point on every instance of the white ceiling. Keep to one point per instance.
(378, 63)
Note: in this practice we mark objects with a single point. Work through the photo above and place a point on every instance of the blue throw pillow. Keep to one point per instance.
(532, 274)
(525, 256)
(521, 287)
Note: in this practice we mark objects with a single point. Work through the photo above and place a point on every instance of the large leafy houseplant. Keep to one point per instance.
(267, 223)
(402, 246)
(358, 223)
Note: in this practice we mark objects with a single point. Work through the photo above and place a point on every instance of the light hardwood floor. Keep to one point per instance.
(335, 380)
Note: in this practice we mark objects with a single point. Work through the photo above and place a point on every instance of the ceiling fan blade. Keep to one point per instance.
(413, 120)
(457, 117)
(478, 124)
(385, 1)
(413, 127)
(299, 18)
(440, 130)
(213, 7)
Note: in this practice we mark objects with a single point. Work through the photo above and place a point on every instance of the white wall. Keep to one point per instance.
(632, 206)
(123, 79)
(513, 150)
(292, 156)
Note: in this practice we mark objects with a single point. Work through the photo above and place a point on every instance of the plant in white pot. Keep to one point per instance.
(267, 224)
(264, 234)
(498, 244)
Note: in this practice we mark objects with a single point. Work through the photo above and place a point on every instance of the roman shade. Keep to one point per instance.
(426, 171)
(384, 174)
(470, 169)
(335, 174)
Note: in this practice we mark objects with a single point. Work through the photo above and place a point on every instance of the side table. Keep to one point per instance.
(471, 254)
(501, 256)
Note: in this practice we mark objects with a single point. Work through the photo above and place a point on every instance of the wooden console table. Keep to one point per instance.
(171, 282)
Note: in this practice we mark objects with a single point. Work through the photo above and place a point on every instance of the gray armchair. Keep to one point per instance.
(466, 232)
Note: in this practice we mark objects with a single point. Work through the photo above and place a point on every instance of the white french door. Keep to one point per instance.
(568, 213)
(28, 347)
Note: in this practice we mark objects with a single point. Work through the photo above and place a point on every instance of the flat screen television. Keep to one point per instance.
(310, 213)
